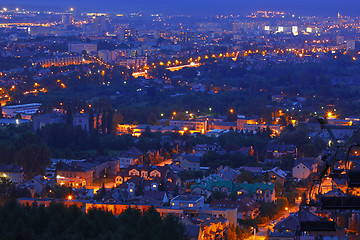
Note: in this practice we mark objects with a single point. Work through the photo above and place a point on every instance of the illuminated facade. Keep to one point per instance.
(59, 61)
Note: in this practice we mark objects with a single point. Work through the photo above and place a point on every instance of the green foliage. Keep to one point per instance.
(235, 232)
(214, 160)
(20, 146)
(271, 209)
(248, 177)
(59, 222)
(217, 195)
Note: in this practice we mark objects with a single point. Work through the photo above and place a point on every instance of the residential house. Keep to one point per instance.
(129, 157)
(147, 172)
(15, 173)
(207, 187)
(156, 198)
(227, 173)
(257, 191)
(187, 201)
(246, 208)
(38, 184)
(201, 149)
(131, 185)
(293, 228)
(304, 167)
(189, 162)
(83, 193)
(276, 175)
(116, 195)
(277, 150)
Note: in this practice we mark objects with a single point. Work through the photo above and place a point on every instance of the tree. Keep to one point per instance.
(117, 119)
(33, 158)
(245, 176)
(303, 199)
(152, 119)
(308, 150)
(218, 195)
(139, 191)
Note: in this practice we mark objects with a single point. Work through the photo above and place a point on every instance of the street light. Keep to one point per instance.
(254, 232)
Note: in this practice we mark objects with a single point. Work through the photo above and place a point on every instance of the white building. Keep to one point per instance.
(11, 111)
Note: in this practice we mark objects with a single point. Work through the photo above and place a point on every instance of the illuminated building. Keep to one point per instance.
(187, 201)
(127, 33)
(187, 37)
(198, 126)
(12, 111)
(261, 127)
(134, 63)
(15, 173)
(63, 60)
(74, 176)
(242, 120)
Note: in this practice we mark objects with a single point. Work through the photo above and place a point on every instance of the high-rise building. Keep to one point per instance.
(67, 19)
(350, 45)
(187, 37)
(128, 33)
(100, 25)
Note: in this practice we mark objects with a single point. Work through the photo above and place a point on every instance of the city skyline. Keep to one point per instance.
(201, 7)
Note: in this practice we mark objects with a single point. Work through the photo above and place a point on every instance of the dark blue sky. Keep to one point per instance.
(319, 7)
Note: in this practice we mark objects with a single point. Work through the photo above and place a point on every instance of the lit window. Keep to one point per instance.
(131, 190)
(154, 185)
(191, 205)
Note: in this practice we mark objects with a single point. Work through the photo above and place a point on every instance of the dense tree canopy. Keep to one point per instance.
(60, 222)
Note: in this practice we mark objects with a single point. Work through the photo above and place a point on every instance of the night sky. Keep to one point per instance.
(308, 7)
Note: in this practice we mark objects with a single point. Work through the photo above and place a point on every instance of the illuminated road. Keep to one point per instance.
(172, 69)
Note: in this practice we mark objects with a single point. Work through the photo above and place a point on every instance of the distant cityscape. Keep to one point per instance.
(238, 126)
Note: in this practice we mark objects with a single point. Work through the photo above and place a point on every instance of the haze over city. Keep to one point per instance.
(202, 7)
